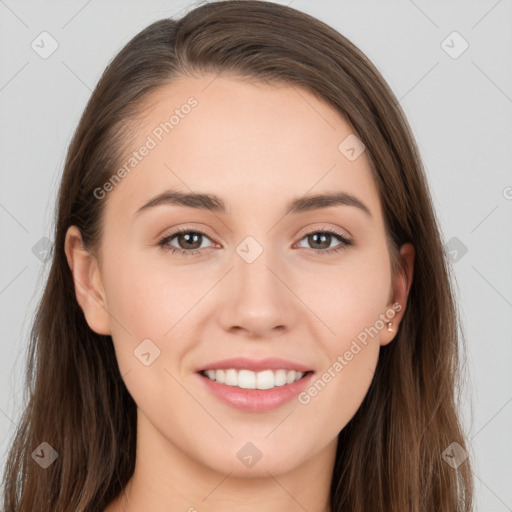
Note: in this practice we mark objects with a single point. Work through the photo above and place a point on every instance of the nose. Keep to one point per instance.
(258, 299)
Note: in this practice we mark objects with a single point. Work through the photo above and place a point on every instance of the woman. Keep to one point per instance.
(249, 306)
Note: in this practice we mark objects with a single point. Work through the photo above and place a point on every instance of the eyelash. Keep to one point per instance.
(163, 242)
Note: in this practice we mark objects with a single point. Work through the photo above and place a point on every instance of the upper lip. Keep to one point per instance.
(256, 365)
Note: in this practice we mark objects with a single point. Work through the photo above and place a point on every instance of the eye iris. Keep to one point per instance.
(188, 235)
(324, 235)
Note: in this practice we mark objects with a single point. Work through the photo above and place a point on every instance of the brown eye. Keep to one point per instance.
(320, 241)
(188, 241)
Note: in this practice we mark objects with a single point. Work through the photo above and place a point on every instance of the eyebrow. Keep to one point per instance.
(216, 204)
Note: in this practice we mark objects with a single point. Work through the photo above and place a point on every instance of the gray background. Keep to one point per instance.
(460, 110)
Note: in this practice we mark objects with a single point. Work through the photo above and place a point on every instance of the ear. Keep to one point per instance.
(402, 285)
(88, 284)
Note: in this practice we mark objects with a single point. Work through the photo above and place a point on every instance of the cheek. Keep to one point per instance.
(140, 305)
(342, 382)
(335, 395)
(347, 297)
(146, 300)
(154, 301)
(353, 306)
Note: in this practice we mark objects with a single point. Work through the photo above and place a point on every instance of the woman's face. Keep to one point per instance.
(247, 280)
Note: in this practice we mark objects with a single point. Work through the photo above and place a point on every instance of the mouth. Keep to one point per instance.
(255, 385)
(255, 391)
(248, 379)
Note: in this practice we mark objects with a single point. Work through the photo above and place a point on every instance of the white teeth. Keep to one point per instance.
(247, 379)
(219, 376)
(264, 379)
(231, 378)
(290, 377)
(280, 377)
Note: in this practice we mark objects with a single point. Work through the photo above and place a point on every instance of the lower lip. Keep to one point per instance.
(256, 400)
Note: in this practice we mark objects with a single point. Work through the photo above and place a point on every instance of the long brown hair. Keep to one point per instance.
(389, 456)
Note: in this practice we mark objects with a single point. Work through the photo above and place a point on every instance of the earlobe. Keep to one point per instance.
(402, 287)
(89, 290)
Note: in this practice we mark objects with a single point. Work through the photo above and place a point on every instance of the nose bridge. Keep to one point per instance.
(253, 263)
(258, 299)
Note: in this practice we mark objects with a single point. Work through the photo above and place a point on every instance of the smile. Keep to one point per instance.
(264, 390)
(247, 379)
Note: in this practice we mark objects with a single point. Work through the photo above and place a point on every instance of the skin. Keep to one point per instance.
(257, 146)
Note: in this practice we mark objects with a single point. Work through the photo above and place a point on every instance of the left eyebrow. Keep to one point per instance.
(316, 202)
(213, 203)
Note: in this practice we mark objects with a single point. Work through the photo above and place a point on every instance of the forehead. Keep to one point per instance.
(256, 145)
